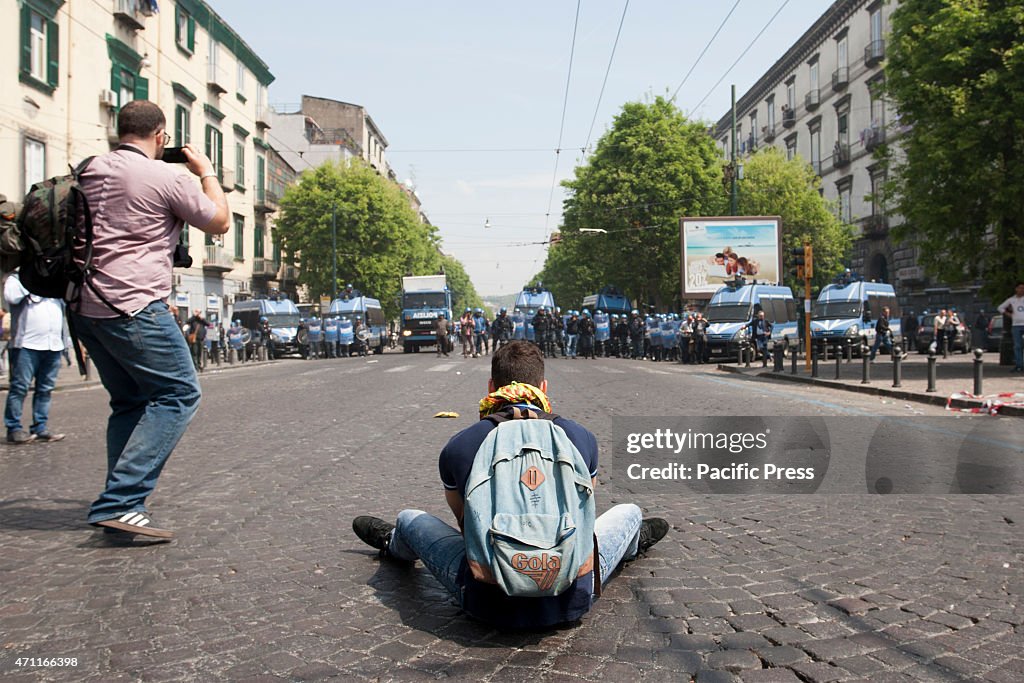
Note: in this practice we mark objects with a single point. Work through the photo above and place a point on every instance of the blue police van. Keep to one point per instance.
(282, 315)
(529, 301)
(847, 313)
(732, 308)
(367, 310)
(609, 300)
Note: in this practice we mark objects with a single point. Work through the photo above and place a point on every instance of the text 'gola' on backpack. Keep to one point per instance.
(42, 239)
(529, 509)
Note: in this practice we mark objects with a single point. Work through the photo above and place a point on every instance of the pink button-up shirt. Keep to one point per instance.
(138, 208)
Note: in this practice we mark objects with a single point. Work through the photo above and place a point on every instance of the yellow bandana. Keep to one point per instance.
(517, 392)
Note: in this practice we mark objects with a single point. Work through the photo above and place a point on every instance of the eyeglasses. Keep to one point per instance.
(167, 138)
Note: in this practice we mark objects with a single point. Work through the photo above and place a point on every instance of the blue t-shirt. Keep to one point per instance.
(487, 601)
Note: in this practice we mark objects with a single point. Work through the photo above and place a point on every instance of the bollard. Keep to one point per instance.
(814, 362)
(746, 354)
(792, 362)
(978, 363)
(945, 346)
(931, 372)
(849, 351)
(865, 357)
(839, 360)
(777, 355)
(897, 365)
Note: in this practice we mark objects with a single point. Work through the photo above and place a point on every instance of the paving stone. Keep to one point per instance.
(733, 660)
(781, 655)
(819, 672)
(769, 676)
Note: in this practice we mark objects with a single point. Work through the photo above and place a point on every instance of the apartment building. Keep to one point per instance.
(821, 100)
(80, 62)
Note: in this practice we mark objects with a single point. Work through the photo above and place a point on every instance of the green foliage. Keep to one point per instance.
(775, 186)
(463, 292)
(379, 237)
(652, 167)
(955, 73)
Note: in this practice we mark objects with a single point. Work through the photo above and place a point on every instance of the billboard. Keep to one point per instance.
(716, 249)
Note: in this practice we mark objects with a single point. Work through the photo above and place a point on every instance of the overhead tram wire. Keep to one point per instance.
(607, 71)
(742, 54)
(704, 51)
(561, 127)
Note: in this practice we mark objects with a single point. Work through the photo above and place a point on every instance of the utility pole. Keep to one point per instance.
(334, 252)
(733, 198)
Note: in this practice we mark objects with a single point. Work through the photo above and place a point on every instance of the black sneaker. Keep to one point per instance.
(19, 436)
(49, 436)
(374, 532)
(137, 523)
(652, 530)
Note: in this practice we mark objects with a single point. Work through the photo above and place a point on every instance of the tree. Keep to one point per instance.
(775, 186)
(464, 294)
(955, 73)
(379, 237)
(650, 168)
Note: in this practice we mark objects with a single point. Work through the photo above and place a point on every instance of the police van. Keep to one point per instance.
(609, 300)
(847, 313)
(733, 308)
(282, 315)
(369, 312)
(529, 301)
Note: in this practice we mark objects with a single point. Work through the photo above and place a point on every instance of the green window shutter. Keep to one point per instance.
(220, 156)
(177, 25)
(239, 237)
(141, 88)
(115, 79)
(257, 241)
(261, 174)
(53, 53)
(179, 124)
(26, 39)
(191, 34)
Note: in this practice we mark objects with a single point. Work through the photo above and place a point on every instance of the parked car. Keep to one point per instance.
(926, 335)
(995, 333)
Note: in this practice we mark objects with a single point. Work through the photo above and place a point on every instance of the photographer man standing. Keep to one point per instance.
(139, 206)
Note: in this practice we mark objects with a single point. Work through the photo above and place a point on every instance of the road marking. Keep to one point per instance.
(400, 368)
(442, 368)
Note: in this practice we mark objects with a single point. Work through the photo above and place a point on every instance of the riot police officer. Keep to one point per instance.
(268, 337)
(586, 329)
(636, 334)
(540, 330)
(502, 328)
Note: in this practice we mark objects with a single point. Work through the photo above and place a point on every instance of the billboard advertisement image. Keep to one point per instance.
(717, 249)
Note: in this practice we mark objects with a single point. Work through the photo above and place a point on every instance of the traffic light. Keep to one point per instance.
(808, 260)
(799, 261)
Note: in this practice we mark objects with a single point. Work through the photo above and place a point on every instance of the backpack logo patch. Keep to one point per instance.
(543, 569)
(532, 478)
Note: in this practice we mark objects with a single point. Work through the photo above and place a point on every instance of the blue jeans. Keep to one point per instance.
(1018, 346)
(145, 366)
(26, 365)
(443, 550)
(573, 340)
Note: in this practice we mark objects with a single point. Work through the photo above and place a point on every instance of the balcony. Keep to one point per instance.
(265, 268)
(216, 78)
(266, 201)
(873, 137)
(788, 118)
(263, 117)
(132, 13)
(216, 258)
(227, 179)
(874, 52)
(875, 226)
(840, 78)
(813, 99)
(768, 132)
(841, 155)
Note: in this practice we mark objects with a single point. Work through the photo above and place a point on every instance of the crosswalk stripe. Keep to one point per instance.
(400, 368)
(441, 368)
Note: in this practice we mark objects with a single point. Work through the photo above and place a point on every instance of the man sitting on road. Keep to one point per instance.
(517, 387)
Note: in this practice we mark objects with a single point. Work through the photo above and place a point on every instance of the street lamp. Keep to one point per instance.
(487, 223)
(600, 230)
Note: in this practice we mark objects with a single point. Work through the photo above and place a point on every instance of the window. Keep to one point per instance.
(843, 52)
(753, 129)
(791, 94)
(240, 163)
(257, 239)
(35, 162)
(815, 74)
(124, 72)
(184, 30)
(771, 112)
(239, 237)
(277, 248)
(877, 104)
(261, 99)
(40, 47)
(876, 25)
(877, 186)
(182, 125)
(791, 147)
(845, 189)
(215, 149)
(816, 149)
(241, 79)
(126, 86)
(261, 177)
(843, 125)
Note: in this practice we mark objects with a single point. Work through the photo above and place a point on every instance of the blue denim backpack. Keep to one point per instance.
(529, 509)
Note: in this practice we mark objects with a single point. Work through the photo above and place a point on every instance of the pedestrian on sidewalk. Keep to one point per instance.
(883, 333)
(196, 336)
(442, 335)
(1014, 306)
(516, 388)
(139, 205)
(38, 337)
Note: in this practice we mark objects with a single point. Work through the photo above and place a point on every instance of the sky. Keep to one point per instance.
(476, 98)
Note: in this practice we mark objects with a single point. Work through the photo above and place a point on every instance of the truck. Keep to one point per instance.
(424, 298)
(609, 300)
(528, 302)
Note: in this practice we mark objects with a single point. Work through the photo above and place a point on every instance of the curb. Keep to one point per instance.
(936, 399)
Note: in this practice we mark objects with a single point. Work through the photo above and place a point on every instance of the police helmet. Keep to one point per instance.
(635, 312)
(600, 312)
(263, 318)
(478, 310)
(586, 313)
(467, 310)
(504, 310)
(540, 310)
(236, 322)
